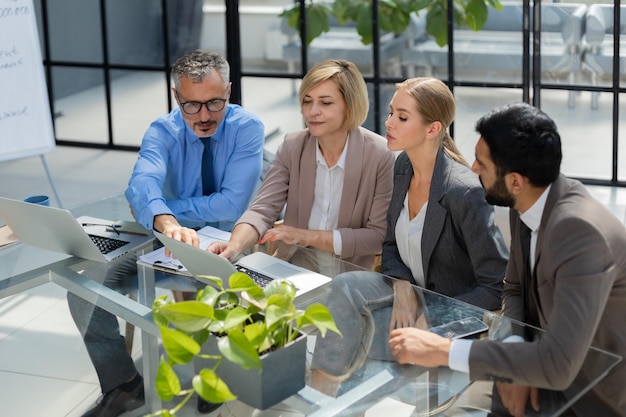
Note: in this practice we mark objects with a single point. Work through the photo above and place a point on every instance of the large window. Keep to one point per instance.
(108, 67)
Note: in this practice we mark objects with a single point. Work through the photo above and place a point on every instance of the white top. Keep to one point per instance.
(327, 196)
(409, 240)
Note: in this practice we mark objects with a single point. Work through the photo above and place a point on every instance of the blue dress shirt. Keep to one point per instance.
(167, 177)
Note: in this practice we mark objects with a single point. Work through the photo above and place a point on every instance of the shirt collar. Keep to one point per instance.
(532, 216)
(341, 163)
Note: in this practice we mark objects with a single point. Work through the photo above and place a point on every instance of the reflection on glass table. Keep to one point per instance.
(382, 387)
(376, 388)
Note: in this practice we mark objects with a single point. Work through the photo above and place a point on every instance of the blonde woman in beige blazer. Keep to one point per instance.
(333, 100)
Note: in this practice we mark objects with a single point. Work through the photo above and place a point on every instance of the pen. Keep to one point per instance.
(108, 226)
(117, 228)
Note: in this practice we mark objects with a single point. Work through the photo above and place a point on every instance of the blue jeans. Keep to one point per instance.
(361, 303)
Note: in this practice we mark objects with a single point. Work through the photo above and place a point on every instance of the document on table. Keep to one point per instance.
(7, 237)
(158, 260)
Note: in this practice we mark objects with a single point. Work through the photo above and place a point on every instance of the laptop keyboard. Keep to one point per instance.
(107, 244)
(260, 279)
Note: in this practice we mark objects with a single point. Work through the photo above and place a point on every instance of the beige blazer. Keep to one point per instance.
(368, 184)
(580, 282)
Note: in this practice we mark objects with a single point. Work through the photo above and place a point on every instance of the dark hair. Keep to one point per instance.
(523, 139)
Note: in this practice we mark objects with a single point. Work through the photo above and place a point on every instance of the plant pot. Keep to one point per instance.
(282, 374)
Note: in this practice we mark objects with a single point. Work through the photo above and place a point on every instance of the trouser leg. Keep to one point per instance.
(100, 329)
(361, 304)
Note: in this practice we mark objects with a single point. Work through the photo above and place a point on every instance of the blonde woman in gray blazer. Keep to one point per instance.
(441, 235)
(334, 177)
(575, 289)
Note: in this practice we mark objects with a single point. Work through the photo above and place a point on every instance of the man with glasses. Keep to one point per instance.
(168, 190)
(198, 165)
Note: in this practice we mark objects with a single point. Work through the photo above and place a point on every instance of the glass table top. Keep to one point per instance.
(378, 385)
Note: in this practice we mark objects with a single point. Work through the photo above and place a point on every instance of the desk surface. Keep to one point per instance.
(411, 391)
(403, 390)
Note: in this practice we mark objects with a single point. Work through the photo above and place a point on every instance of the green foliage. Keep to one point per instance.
(393, 16)
(247, 321)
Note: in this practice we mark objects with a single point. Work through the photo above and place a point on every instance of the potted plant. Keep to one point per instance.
(393, 16)
(233, 331)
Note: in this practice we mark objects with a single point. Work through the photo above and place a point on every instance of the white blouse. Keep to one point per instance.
(327, 196)
(409, 240)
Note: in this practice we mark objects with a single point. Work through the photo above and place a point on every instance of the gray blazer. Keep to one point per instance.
(580, 282)
(364, 200)
(463, 252)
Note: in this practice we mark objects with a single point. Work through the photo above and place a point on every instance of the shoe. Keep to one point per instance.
(326, 383)
(116, 402)
(205, 407)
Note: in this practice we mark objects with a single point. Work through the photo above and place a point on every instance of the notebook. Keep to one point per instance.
(57, 230)
(260, 266)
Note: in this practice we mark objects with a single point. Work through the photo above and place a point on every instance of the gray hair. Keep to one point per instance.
(198, 64)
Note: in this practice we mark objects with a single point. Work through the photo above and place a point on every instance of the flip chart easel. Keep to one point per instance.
(25, 120)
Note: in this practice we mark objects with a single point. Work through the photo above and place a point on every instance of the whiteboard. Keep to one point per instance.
(25, 122)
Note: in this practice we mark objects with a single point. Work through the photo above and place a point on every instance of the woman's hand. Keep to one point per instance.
(405, 307)
(288, 234)
(223, 249)
(319, 239)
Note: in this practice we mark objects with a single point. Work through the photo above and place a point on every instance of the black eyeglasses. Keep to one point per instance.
(194, 107)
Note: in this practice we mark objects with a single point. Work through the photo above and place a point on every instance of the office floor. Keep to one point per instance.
(44, 368)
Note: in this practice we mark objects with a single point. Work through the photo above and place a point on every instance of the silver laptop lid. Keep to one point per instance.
(198, 261)
(57, 230)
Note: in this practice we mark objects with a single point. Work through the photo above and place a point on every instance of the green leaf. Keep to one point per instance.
(189, 316)
(167, 383)
(495, 4)
(211, 387)
(316, 21)
(278, 314)
(393, 16)
(235, 318)
(211, 281)
(292, 15)
(256, 333)
(281, 287)
(319, 316)
(160, 319)
(180, 347)
(476, 14)
(436, 24)
(237, 348)
(364, 24)
(417, 5)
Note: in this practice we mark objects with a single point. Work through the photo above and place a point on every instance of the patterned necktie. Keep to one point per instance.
(208, 180)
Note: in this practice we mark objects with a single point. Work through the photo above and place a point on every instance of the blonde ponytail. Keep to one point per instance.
(450, 148)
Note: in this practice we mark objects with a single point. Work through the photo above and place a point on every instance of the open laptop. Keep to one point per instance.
(260, 266)
(57, 230)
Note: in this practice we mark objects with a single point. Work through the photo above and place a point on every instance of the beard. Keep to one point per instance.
(498, 195)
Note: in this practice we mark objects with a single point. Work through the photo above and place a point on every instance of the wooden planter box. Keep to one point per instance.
(282, 374)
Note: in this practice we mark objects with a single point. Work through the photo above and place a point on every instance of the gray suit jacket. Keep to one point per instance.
(364, 199)
(463, 252)
(580, 282)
